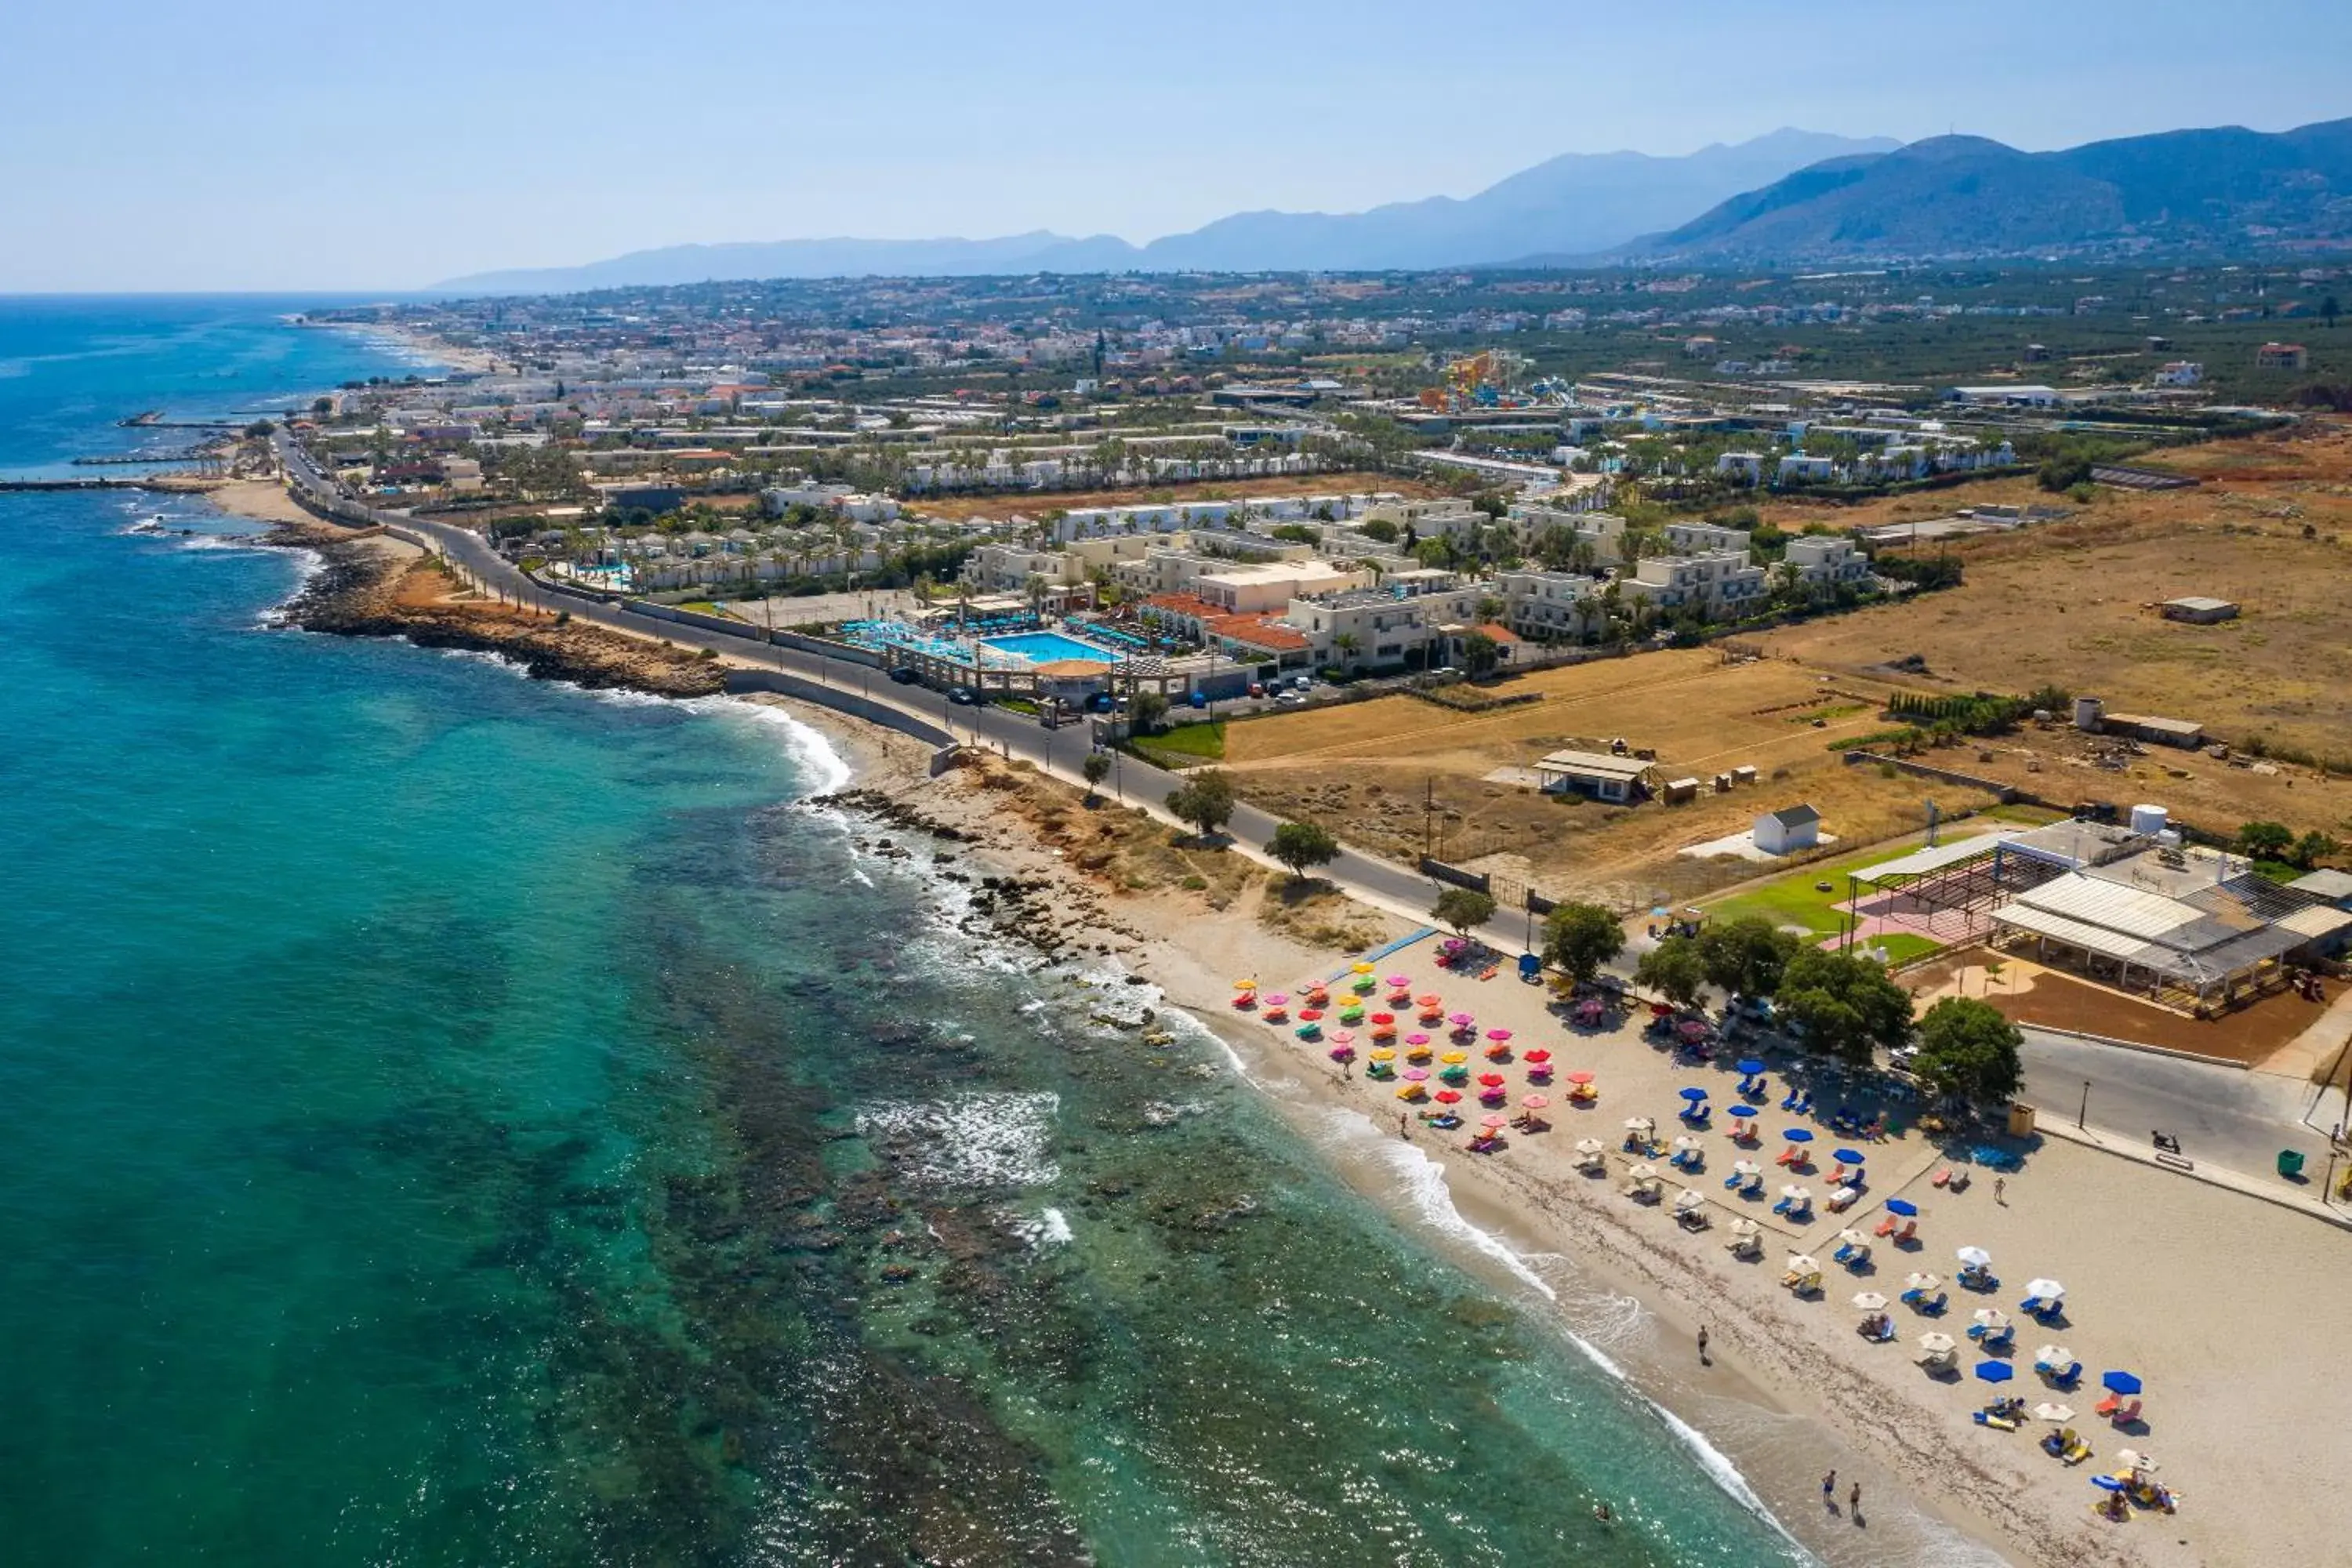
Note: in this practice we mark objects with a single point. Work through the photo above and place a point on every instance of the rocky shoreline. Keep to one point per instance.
(366, 590)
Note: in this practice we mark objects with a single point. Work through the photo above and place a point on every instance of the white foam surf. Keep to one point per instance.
(982, 1140)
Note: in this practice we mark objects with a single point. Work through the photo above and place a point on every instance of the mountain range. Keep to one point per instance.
(1578, 203)
(2228, 190)
(1793, 197)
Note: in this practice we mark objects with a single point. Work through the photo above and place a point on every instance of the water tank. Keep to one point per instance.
(2169, 839)
(2148, 820)
(2089, 712)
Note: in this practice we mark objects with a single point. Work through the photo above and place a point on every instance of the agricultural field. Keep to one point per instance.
(2071, 604)
(1395, 774)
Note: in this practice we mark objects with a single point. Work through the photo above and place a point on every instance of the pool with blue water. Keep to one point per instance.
(1044, 648)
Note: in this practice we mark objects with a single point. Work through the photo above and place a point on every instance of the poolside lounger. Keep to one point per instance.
(1789, 1100)
(1886, 1226)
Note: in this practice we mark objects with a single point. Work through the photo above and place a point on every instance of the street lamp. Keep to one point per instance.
(2084, 1111)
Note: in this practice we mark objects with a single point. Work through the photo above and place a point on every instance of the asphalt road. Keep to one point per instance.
(2222, 1115)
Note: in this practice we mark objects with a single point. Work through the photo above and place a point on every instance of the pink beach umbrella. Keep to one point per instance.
(1417, 1040)
(1343, 1037)
(1400, 982)
(1535, 1102)
(1462, 1020)
(1277, 1000)
(1498, 1035)
(1416, 1075)
(1494, 1123)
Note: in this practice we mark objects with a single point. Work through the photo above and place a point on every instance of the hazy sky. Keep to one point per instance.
(157, 144)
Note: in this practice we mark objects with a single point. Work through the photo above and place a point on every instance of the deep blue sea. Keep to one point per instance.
(451, 1119)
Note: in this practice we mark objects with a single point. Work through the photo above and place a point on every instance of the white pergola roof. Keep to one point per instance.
(1934, 857)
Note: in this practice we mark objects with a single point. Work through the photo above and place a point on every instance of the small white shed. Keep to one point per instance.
(1789, 829)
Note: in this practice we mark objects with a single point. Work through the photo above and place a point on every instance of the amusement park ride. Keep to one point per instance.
(1488, 379)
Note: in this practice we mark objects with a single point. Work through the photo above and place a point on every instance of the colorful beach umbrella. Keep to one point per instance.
(1494, 1123)
(2123, 1382)
(1431, 1000)
(2107, 1483)
(1535, 1102)
(1449, 1097)
(1384, 1018)
(1498, 1035)
(1995, 1372)
(1244, 984)
(1342, 1038)
(1454, 1059)
(1310, 1014)
(1579, 1077)
(1461, 1020)
(1537, 1057)
(1400, 982)
(1276, 999)
(1416, 1075)
(1903, 1206)
(1417, 1040)
(1490, 1079)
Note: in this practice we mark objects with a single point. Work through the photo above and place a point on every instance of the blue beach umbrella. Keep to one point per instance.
(1744, 1110)
(1903, 1206)
(1847, 1156)
(1749, 1064)
(2119, 1383)
(1694, 1094)
(2106, 1483)
(1995, 1372)
(1797, 1135)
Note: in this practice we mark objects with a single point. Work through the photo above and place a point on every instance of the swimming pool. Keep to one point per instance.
(1044, 648)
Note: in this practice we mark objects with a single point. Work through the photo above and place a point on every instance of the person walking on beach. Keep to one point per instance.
(2001, 1191)
(1854, 1503)
(1702, 1346)
(1829, 1492)
(1402, 1131)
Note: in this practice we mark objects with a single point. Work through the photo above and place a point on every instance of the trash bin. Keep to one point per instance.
(2290, 1164)
(2020, 1120)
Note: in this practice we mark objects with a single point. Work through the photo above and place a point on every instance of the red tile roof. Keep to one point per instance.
(1503, 636)
(1255, 631)
(1190, 604)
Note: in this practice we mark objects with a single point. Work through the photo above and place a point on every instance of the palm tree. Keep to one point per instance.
(1348, 644)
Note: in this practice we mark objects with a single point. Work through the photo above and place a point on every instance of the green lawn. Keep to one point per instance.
(1187, 745)
(1793, 901)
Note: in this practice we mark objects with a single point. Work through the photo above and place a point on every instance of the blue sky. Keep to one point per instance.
(154, 144)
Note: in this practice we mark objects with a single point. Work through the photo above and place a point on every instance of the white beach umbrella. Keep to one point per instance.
(1644, 1172)
(1992, 1317)
(1748, 1167)
(2054, 1355)
(2059, 1413)
(1589, 1146)
(1744, 1226)
(1920, 1281)
(2133, 1459)
(2047, 1290)
(1870, 1302)
(1937, 1343)
(1689, 1198)
(1803, 1263)
(1851, 1237)
(1798, 1195)
(1683, 1145)
(1975, 1256)
(1640, 1124)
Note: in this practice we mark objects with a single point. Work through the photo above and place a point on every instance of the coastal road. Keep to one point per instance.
(1383, 884)
(2222, 1115)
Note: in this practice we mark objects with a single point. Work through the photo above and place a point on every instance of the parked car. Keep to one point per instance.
(905, 676)
(1292, 700)
(961, 696)
(1258, 688)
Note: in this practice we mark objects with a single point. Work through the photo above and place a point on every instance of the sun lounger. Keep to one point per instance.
(1789, 1100)
(1845, 1253)
(1788, 1156)
(1886, 1226)
(1885, 1332)
(1913, 1297)
(2065, 1376)
(1910, 1231)
(1837, 1174)
(1780, 1207)
(1940, 1177)
(2000, 1340)
(2077, 1452)
(1998, 1423)
(2109, 1405)
(2125, 1416)
(1934, 1309)
(1755, 1185)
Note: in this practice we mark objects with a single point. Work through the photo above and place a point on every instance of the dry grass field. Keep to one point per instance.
(1372, 769)
(2072, 603)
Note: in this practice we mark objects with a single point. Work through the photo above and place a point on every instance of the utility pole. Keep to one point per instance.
(2083, 1115)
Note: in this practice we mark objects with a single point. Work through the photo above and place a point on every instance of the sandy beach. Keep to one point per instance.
(2160, 1270)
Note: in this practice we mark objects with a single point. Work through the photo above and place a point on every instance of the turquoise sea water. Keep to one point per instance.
(456, 1119)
